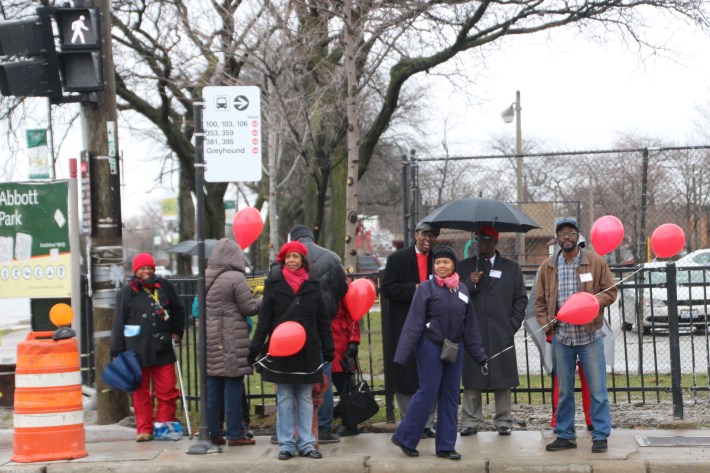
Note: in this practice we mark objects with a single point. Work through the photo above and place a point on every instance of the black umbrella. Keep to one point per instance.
(475, 212)
(189, 247)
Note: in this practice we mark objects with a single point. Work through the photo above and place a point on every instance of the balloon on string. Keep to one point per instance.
(667, 240)
(607, 233)
(247, 226)
(360, 297)
(579, 309)
(287, 339)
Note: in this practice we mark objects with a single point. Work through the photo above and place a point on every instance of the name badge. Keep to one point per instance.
(495, 273)
(585, 277)
(463, 297)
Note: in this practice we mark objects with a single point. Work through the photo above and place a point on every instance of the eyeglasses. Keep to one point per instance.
(428, 235)
(562, 235)
(485, 238)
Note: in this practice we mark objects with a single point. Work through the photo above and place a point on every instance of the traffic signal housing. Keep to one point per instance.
(30, 66)
(80, 56)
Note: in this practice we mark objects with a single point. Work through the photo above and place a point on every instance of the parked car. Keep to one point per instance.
(163, 272)
(648, 303)
(367, 263)
(697, 257)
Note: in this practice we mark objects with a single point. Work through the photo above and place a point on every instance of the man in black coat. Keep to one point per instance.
(404, 271)
(498, 295)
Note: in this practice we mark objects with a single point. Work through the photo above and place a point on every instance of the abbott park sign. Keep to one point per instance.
(34, 240)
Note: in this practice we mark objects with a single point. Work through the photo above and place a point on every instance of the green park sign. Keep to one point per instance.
(34, 240)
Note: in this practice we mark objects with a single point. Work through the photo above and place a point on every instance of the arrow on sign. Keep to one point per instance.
(241, 103)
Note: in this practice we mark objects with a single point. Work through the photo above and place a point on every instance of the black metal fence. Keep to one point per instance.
(640, 371)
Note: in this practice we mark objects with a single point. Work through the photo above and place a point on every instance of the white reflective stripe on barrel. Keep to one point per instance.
(54, 419)
(47, 380)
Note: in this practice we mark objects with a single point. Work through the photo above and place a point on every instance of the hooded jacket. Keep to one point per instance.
(229, 303)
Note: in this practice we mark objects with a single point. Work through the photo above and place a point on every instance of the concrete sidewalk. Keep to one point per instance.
(112, 448)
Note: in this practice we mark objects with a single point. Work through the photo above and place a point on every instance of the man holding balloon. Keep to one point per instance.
(573, 288)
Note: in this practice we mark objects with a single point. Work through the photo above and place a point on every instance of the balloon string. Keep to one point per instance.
(265, 358)
(555, 319)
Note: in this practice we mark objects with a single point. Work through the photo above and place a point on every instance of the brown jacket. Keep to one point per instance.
(546, 290)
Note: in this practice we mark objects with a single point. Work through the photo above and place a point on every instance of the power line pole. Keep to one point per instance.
(106, 250)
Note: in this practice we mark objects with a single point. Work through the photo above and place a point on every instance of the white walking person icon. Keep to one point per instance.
(78, 27)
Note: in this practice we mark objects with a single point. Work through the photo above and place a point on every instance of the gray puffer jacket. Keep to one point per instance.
(229, 302)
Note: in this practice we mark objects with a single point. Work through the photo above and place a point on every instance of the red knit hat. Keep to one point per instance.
(488, 230)
(290, 247)
(143, 259)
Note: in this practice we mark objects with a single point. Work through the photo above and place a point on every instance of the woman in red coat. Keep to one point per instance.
(346, 338)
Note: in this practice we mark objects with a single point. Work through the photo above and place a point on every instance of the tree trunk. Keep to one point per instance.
(353, 137)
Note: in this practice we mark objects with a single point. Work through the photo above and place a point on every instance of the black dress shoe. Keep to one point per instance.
(284, 455)
(410, 452)
(429, 433)
(590, 428)
(504, 430)
(450, 454)
(466, 431)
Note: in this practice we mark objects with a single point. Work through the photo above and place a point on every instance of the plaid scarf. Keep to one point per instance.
(150, 286)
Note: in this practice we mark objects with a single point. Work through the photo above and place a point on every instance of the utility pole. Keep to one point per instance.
(106, 248)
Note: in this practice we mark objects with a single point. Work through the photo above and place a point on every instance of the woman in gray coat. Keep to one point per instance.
(229, 303)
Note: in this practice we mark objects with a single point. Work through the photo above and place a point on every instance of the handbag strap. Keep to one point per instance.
(358, 372)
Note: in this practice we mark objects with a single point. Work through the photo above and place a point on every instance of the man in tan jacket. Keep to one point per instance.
(571, 270)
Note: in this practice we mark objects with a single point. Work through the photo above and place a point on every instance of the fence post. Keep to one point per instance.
(674, 339)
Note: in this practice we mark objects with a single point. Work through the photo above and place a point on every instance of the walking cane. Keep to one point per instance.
(182, 390)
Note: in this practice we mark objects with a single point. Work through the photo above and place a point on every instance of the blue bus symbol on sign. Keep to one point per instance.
(221, 102)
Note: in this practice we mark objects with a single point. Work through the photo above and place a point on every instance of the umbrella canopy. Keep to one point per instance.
(189, 247)
(475, 212)
(124, 372)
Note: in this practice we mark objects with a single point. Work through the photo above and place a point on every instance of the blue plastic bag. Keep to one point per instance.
(167, 431)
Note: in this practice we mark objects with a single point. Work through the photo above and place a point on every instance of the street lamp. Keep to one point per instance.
(507, 115)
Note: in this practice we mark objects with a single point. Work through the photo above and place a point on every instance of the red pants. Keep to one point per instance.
(164, 381)
(586, 398)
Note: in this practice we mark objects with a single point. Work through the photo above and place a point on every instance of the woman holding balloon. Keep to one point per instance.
(293, 317)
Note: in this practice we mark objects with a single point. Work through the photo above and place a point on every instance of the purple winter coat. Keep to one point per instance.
(448, 315)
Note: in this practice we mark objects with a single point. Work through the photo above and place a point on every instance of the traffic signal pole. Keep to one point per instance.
(106, 250)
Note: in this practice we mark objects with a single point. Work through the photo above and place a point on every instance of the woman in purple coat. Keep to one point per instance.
(441, 310)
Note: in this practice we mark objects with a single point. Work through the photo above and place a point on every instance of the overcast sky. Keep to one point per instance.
(575, 95)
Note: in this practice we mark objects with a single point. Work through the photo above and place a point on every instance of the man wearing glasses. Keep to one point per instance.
(498, 295)
(404, 271)
(571, 270)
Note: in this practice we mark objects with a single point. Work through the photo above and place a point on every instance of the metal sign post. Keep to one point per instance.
(230, 136)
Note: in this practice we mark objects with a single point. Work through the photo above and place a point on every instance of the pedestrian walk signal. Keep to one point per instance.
(80, 60)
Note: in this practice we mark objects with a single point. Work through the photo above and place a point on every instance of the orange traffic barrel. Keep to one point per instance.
(49, 415)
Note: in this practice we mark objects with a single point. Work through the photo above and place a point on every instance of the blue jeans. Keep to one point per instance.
(591, 356)
(325, 412)
(293, 401)
(227, 392)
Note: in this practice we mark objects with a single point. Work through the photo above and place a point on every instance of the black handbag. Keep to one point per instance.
(359, 404)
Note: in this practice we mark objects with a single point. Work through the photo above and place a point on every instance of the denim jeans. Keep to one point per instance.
(294, 402)
(591, 356)
(227, 392)
(325, 412)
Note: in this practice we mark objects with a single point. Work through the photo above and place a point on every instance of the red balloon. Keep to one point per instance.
(667, 240)
(247, 226)
(287, 339)
(579, 309)
(607, 233)
(360, 297)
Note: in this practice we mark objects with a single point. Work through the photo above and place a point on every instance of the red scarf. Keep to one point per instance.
(295, 278)
(452, 282)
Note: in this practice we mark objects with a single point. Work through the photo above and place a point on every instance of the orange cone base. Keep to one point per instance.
(39, 444)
